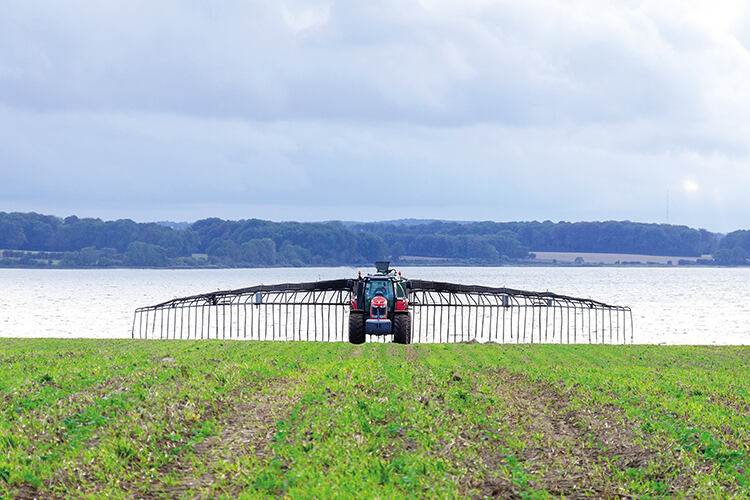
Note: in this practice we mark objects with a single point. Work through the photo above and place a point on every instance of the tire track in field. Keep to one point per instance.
(248, 428)
(576, 451)
(411, 354)
(356, 351)
(566, 451)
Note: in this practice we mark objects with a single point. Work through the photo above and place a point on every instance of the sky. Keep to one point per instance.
(319, 110)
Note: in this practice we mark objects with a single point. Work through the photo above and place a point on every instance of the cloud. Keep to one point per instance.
(496, 110)
(689, 186)
(525, 62)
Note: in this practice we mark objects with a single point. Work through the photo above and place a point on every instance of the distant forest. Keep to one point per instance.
(34, 240)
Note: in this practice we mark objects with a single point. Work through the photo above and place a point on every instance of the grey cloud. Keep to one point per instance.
(503, 172)
(507, 110)
(390, 61)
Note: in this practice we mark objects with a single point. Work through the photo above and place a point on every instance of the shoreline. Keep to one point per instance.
(406, 264)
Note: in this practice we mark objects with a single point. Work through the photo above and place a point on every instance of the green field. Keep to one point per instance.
(93, 418)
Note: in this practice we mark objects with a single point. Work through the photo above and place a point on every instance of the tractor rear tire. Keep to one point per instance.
(402, 328)
(356, 327)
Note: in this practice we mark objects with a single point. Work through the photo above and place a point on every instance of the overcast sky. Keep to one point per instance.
(509, 110)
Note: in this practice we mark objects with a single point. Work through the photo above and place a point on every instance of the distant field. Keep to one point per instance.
(154, 419)
(419, 258)
(609, 258)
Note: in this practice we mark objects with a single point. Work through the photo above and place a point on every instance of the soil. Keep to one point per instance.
(248, 428)
(578, 448)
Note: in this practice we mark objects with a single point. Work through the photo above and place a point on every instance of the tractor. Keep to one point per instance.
(380, 306)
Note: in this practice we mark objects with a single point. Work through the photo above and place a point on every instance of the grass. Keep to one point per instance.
(93, 418)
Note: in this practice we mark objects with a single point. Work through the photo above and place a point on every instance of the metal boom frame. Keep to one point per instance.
(441, 312)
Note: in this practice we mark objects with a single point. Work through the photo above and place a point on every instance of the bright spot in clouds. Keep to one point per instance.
(689, 186)
(313, 109)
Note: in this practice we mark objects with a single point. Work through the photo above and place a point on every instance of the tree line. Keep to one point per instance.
(31, 239)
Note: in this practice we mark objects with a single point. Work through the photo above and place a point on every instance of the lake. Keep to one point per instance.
(670, 305)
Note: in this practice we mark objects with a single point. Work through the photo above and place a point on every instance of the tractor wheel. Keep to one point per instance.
(356, 327)
(402, 328)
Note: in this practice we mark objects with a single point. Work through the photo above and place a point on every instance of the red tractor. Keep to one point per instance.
(380, 306)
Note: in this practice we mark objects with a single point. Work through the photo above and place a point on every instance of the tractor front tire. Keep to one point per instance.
(356, 327)
(402, 328)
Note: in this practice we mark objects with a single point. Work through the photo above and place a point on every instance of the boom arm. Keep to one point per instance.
(440, 311)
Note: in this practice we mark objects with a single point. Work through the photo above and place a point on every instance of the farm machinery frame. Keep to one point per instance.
(385, 306)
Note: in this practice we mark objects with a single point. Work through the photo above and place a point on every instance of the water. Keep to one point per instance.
(670, 305)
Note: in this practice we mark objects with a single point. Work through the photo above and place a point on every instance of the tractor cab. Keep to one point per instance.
(385, 283)
(379, 297)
